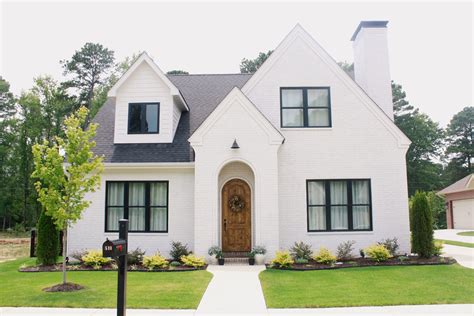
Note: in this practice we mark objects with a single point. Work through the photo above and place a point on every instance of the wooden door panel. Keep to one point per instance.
(236, 216)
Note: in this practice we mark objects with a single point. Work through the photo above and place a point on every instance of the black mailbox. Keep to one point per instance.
(114, 248)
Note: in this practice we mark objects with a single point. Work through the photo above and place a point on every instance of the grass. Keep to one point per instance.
(457, 243)
(469, 233)
(374, 286)
(182, 290)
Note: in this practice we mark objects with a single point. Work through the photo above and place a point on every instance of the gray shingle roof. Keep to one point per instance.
(202, 94)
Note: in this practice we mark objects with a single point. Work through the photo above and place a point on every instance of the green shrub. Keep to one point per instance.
(259, 250)
(95, 259)
(324, 256)
(135, 256)
(156, 261)
(282, 259)
(175, 263)
(345, 249)
(214, 250)
(391, 244)
(422, 226)
(438, 248)
(377, 252)
(193, 261)
(300, 250)
(301, 261)
(47, 249)
(178, 250)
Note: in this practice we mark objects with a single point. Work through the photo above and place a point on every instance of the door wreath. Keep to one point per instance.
(236, 203)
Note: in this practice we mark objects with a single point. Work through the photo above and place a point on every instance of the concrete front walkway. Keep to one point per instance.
(234, 289)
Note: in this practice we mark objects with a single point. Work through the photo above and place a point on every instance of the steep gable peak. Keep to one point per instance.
(144, 58)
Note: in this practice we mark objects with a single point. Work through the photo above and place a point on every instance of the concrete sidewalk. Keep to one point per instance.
(414, 310)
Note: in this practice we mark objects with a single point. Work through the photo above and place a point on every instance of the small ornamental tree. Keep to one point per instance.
(422, 226)
(66, 170)
(48, 240)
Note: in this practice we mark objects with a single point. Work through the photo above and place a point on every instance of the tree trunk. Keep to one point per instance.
(64, 253)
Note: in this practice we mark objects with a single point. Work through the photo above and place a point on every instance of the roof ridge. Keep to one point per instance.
(214, 74)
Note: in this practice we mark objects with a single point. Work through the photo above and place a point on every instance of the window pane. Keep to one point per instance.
(152, 118)
(316, 193)
(360, 192)
(338, 192)
(134, 121)
(317, 218)
(318, 97)
(115, 192)
(158, 219)
(136, 217)
(114, 214)
(318, 117)
(158, 193)
(292, 117)
(339, 217)
(292, 98)
(136, 194)
(361, 217)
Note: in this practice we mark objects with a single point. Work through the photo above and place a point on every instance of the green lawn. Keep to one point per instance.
(470, 233)
(457, 243)
(407, 285)
(145, 289)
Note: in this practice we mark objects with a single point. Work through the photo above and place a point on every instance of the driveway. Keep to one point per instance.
(463, 255)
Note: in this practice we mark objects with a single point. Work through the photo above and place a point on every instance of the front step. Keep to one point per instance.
(236, 257)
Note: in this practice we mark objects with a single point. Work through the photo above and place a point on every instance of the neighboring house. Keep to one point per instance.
(297, 151)
(459, 198)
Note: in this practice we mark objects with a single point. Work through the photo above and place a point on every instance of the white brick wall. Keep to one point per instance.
(357, 146)
(89, 233)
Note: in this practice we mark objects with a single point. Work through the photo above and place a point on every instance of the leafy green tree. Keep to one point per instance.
(438, 210)
(89, 68)
(424, 171)
(48, 241)
(422, 226)
(8, 163)
(177, 72)
(65, 170)
(460, 149)
(248, 66)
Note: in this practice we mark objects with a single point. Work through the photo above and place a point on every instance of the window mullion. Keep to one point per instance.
(125, 202)
(305, 107)
(349, 202)
(147, 206)
(328, 205)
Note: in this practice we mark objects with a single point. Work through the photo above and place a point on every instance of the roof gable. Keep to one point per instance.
(236, 95)
(465, 184)
(144, 58)
(299, 33)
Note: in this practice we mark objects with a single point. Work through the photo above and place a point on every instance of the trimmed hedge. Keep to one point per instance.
(47, 249)
(422, 226)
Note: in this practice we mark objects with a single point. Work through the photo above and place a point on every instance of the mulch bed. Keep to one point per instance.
(109, 267)
(66, 287)
(365, 262)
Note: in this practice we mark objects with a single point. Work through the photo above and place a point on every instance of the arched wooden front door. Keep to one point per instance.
(236, 216)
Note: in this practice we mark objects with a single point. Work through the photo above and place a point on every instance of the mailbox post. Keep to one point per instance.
(118, 249)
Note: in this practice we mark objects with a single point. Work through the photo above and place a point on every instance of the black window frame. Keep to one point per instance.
(148, 206)
(130, 117)
(306, 107)
(328, 205)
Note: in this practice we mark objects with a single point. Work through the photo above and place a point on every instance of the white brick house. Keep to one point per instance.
(297, 151)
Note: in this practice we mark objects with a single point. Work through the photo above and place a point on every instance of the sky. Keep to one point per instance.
(430, 43)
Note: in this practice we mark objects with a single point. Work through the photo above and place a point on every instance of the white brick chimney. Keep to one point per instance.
(371, 65)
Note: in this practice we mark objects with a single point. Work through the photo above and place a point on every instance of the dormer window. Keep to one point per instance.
(143, 118)
(305, 107)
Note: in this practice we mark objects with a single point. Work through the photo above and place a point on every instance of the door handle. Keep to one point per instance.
(225, 224)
